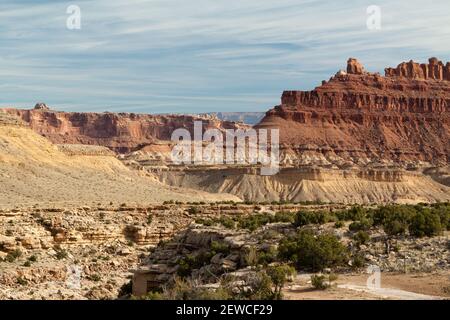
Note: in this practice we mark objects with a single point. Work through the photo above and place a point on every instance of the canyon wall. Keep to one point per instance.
(121, 132)
(358, 117)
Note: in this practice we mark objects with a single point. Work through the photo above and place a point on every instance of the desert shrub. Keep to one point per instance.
(358, 261)
(149, 219)
(205, 222)
(153, 295)
(186, 289)
(332, 277)
(193, 210)
(27, 264)
(279, 275)
(191, 262)
(394, 219)
(361, 237)
(268, 256)
(303, 218)
(322, 282)
(443, 211)
(254, 222)
(126, 289)
(61, 254)
(313, 252)
(284, 217)
(394, 227)
(363, 225)
(424, 223)
(339, 224)
(22, 281)
(227, 222)
(259, 287)
(95, 277)
(32, 258)
(251, 257)
(319, 282)
(355, 213)
(219, 247)
(13, 255)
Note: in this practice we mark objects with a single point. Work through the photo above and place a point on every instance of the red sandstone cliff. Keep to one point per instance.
(121, 132)
(361, 117)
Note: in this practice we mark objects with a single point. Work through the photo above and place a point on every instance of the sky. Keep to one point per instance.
(180, 56)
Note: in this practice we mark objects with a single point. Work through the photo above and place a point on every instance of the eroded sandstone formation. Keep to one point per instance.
(435, 69)
(121, 132)
(360, 117)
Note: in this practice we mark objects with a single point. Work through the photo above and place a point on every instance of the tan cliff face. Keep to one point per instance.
(121, 132)
(402, 118)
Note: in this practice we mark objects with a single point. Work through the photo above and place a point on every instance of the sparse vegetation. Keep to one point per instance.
(361, 237)
(61, 254)
(13, 255)
(310, 251)
(95, 277)
(251, 222)
(22, 281)
(322, 282)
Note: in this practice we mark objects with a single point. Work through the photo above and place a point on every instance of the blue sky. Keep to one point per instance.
(159, 56)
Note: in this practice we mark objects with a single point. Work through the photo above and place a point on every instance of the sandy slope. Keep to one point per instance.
(33, 170)
(295, 184)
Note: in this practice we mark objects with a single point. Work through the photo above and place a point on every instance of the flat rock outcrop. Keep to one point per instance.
(360, 117)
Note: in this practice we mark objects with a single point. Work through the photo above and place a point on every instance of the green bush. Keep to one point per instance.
(192, 262)
(358, 261)
(443, 211)
(13, 255)
(363, 225)
(279, 275)
(313, 252)
(185, 289)
(219, 247)
(284, 217)
(353, 214)
(95, 277)
(227, 222)
(255, 221)
(22, 281)
(193, 210)
(267, 257)
(304, 218)
(361, 237)
(424, 223)
(61, 254)
(339, 224)
(319, 282)
(259, 288)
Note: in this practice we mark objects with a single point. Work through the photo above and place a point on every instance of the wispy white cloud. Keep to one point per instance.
(200, 55)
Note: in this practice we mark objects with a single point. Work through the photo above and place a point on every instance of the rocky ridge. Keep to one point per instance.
(120, 132)
(402, 118)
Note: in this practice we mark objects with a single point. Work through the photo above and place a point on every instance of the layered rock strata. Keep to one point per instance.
(359, 117)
